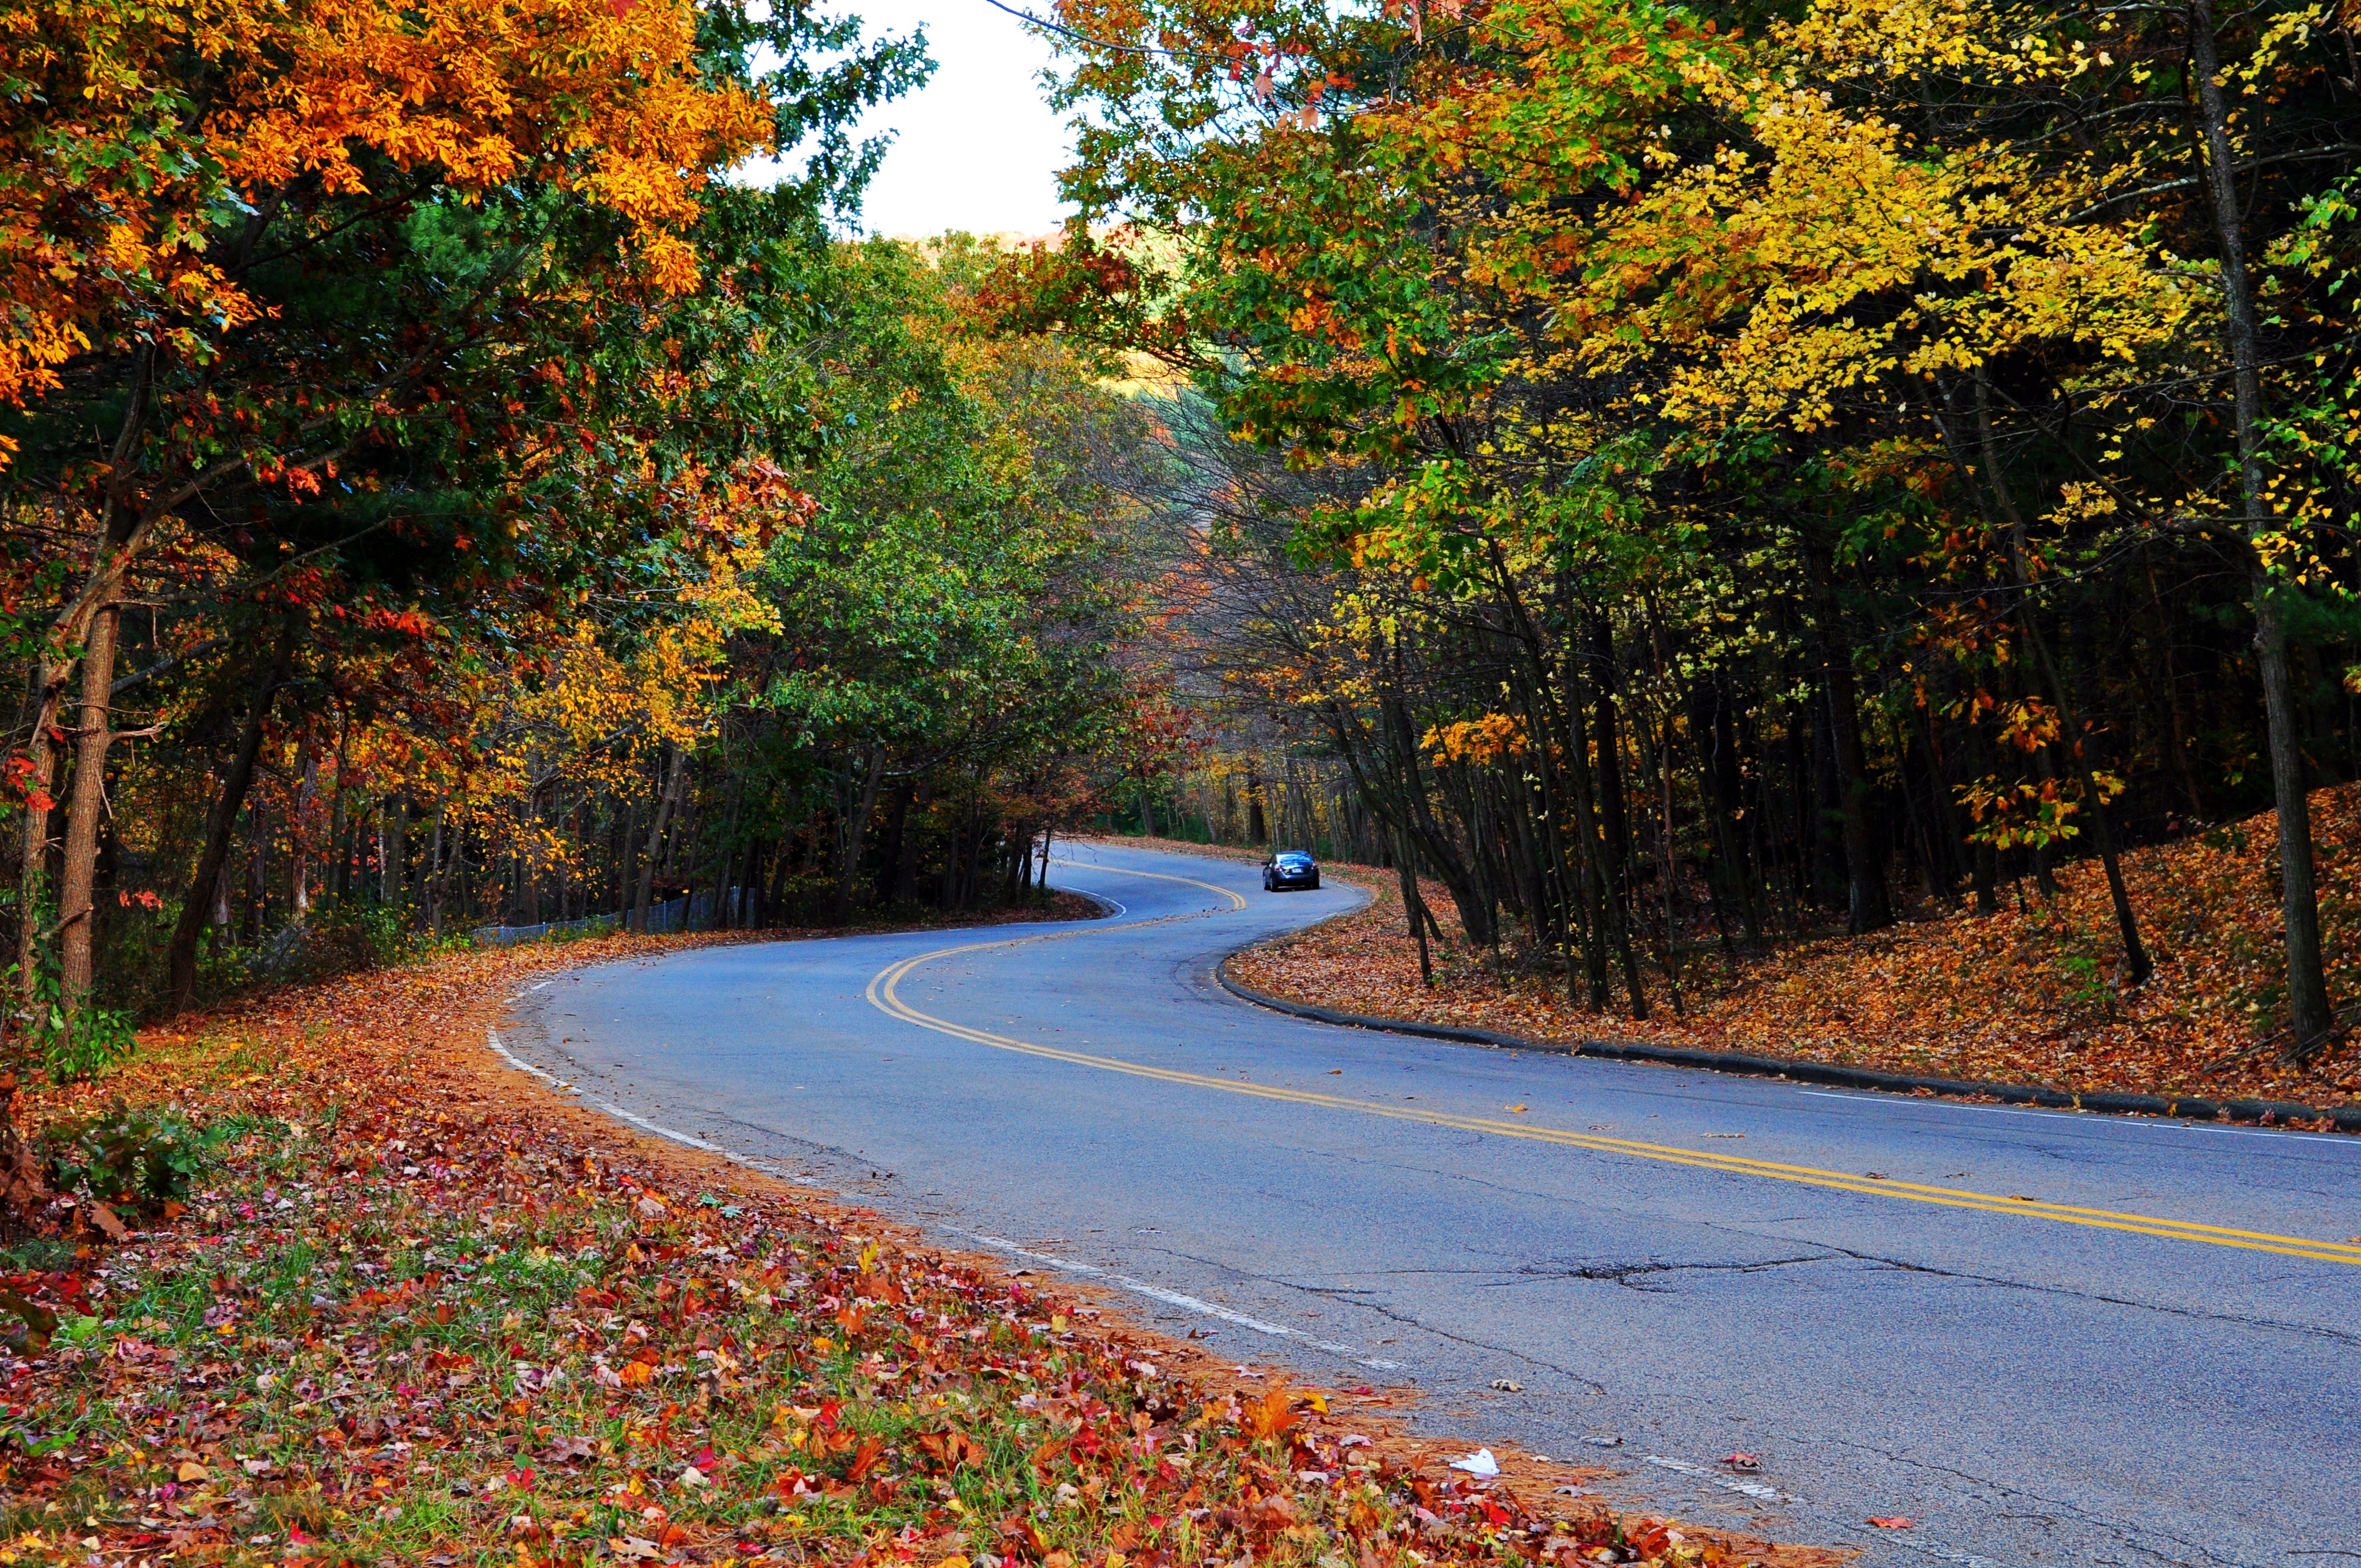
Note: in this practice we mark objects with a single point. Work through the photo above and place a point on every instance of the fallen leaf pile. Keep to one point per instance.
(418, 1311)
(2030, 994)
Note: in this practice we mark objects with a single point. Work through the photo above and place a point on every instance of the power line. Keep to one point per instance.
(1103, 43)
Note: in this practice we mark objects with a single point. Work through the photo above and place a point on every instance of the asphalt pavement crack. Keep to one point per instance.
(1353, 1296)
(2053, 1508)
(806, 1148)
(1624, 1274)
(2340, 1336)
(1407, 1320)
(1423, 1224)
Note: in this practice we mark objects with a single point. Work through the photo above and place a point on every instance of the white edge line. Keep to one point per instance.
(1139, 1286)
(515, 1060)
(1758, 1489)
(1116, 904)
(1173, 1297)
(660, 1132)
(1946, 1553)
(562, 1085)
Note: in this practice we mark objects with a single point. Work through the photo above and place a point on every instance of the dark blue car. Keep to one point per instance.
(1289, 869)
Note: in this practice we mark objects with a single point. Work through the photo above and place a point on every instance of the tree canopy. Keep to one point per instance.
(1725, 465)
(437, 494)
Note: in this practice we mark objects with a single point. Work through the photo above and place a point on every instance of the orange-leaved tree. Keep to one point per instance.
(271, 270)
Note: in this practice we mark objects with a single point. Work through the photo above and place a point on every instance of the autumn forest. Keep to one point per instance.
(1675, 476)
(1722, 477)
(435, 498)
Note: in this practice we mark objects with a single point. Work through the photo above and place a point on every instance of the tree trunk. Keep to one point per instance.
(1870, 908)
(1558, 706)
(2177, 728)
(221, 822)
(394, 852)
(338, 883)
(2136, 956)
(258, 872)
(971, 877)
(906, 853)
(122, 527)
(299, 834)
(1413, 907)
(1607, 734)
(2309, 1019)
(437, 878)
(888, 884)
(1866, 902)
(1727, 784)
(93, 733)
(1612, 916)
(49, 689)
(645, 893)
(856, 830)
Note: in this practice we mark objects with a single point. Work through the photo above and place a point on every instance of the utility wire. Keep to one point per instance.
(1101, 43)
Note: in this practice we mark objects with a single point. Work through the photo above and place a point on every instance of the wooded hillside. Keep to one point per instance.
(1719, 473)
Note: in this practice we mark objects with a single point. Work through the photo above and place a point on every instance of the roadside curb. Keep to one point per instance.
(2344, 1119)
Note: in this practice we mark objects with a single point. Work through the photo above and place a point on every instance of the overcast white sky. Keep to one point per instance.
(976, 148)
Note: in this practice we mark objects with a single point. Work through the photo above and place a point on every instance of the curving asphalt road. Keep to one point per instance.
(2046, 1338)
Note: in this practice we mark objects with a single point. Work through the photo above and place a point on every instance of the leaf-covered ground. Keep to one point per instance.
(2028, 995)
(419, 1311)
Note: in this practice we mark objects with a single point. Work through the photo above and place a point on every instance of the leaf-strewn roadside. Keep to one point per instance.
(2025, 995)
(419, 1311)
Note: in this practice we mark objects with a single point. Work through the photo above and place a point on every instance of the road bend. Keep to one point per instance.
(2042, 1337)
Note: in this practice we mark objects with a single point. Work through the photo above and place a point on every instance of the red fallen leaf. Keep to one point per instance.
(864, 1460)
(622, 8)
(1099, 1444)
(1896, 1523)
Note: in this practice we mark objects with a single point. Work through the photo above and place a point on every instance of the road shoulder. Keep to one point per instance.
(576, 1340)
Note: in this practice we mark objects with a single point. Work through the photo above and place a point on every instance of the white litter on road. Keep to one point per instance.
(1479, 1464)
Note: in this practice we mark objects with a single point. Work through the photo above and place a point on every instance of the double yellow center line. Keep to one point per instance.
(884, 995)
